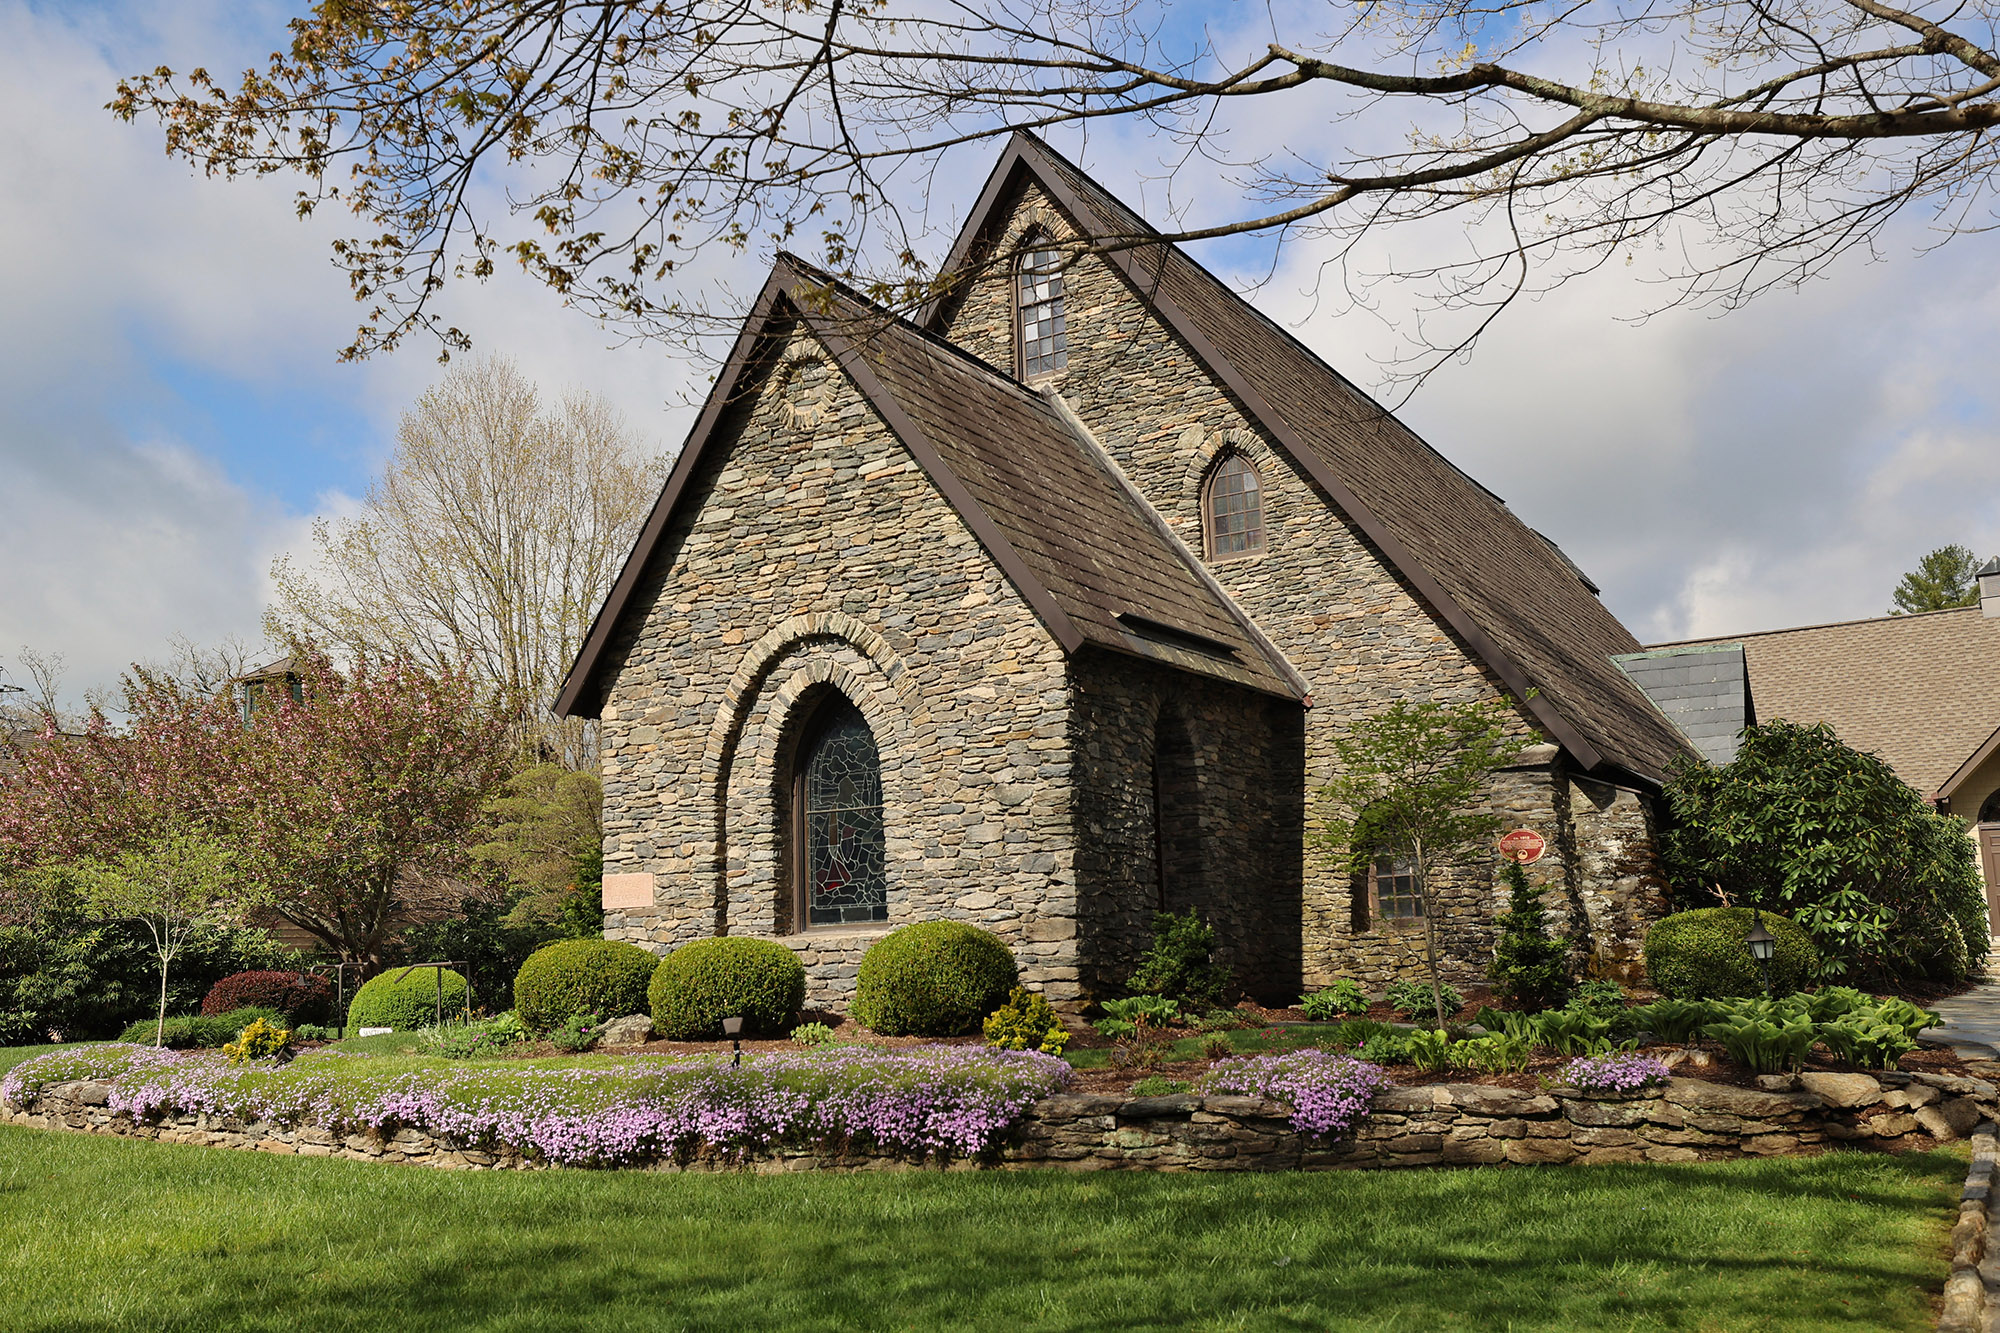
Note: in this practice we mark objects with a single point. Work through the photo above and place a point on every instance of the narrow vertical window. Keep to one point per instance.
(1233, 508)
(1039, 287)
(842, 855)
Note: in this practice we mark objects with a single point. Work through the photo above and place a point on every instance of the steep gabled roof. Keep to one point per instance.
(1508, 593)
(1078, 546)
(1921, 691)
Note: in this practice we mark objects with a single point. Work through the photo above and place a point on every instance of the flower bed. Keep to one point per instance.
(933, 1100)
(1328, 1093)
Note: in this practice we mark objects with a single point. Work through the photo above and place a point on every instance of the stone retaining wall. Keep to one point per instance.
(1435, 1125)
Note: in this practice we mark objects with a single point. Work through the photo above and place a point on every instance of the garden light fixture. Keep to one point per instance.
(1762, 945)
(732, 1028)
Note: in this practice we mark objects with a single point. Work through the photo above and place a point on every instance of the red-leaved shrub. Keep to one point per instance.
(300, 996)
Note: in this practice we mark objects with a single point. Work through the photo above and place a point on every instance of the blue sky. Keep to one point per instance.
(173, 415)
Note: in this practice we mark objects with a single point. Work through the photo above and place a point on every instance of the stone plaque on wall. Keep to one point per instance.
(628, 891)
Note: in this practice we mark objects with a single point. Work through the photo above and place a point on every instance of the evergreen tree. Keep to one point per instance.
(1530, 966)
(1944, 580)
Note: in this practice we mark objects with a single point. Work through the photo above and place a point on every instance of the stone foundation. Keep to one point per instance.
(1450, 1124)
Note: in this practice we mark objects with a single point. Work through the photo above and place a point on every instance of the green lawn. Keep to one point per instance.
(99, 1233)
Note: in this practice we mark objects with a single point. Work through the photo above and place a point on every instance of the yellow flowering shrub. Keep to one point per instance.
(1026, 1023)
(259, 1041)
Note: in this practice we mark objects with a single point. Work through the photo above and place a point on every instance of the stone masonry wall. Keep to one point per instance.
(1319, 589)
(811, 554)
(1230, 799)
(1436, 1125)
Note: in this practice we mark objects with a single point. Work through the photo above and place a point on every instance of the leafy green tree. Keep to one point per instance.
(1530, 966)
(1408, 784)
(178, 881)
(547, 838)
(1802, 824)
(1944, 580)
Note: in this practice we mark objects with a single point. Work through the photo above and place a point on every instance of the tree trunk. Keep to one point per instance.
(160, 1022)
(1430, 929)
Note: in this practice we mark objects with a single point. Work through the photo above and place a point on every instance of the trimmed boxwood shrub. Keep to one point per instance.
(300, 996)
(705, 981)
(570, 977)
(1701, 955)
(933, 979)
(191, 1032)
(405, 999)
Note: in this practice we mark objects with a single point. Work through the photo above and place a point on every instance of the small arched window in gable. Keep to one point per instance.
(1232, 508)
(1038, 286)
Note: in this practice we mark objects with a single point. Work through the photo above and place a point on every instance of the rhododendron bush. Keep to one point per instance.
(947, 1100)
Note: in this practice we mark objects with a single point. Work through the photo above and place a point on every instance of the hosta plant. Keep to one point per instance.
(1675, 1020)
(1343, 998)
(1413, 998)
(1764, 1045)
(1122, 1016)
(1574, 1032)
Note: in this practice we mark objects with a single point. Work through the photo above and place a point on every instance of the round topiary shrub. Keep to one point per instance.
(1701, 955)
(570, 977)
(705, 981)
(300, 996)
(406, 998)
(933, 979)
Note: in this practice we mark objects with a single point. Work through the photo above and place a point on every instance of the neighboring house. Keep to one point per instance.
(1043, 612)
(1921, 691)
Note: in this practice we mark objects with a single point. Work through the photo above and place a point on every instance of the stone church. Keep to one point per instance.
(1040, 612)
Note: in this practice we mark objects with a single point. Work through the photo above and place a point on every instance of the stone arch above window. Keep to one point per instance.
(800, 386)
(1040, 323)
(838, 830)
(1232, 507)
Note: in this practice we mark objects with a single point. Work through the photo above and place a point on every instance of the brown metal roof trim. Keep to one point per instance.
(571, 701)
(1025, 153)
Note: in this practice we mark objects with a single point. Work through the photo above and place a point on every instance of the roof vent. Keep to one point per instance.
(1989, 587)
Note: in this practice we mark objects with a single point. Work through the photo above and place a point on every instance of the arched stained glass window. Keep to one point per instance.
(843, 859)
(1233, 508)
(1044, 335)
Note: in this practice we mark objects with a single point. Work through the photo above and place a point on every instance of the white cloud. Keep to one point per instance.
(128, 272)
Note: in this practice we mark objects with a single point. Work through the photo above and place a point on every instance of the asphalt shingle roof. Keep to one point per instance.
(1922, 691)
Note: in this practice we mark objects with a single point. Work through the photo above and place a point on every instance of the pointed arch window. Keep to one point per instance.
(1038, 286)
(841, 850)
(1232, 508)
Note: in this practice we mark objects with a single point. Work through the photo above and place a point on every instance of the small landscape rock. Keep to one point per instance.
(631, 1030)
(1845, 1090)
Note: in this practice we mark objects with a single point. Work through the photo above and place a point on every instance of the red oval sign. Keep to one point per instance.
(1523, 845)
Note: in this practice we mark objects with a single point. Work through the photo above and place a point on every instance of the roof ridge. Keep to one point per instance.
(1889, 619)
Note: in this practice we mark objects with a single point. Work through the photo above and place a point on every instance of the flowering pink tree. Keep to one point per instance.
(343, 804)
(370, 786)
(108, 791)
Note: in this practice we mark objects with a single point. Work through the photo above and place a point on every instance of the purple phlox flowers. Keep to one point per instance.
(1622, 1073)
(1328, 1093)
(948, 1100)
